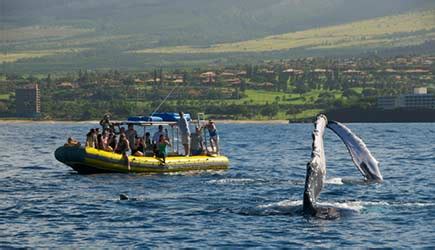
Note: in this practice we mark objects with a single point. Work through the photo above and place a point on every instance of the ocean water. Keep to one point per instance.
(256, 203)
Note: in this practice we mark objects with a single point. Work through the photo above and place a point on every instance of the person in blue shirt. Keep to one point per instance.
(214, 137)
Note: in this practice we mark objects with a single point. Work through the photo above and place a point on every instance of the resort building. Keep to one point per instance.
(419, 99)
(28, 101)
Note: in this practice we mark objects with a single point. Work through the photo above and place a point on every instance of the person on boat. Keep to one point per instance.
(121, 130)
(111, 141)
(197, 142)
(96, 133)
(147, 141)
(123, 147)
(140, 147)
(131, 136)
(162, 148)
(90, 142)
(100, 144)
(72, 143)
(214, 137)
(183, 124)
(105, 122)
(156, 136)
(105, 141)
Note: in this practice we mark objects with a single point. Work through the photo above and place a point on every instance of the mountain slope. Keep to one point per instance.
(71, 34)
(199, 22)
(392, 31)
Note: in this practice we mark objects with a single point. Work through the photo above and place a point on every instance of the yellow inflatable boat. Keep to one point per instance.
(86, 160)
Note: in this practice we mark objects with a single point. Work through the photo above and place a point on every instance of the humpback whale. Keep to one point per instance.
(316, 167)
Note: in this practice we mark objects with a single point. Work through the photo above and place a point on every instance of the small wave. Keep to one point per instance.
(284, 203)
(398, 204)
(195, 172)
(233, 181)
(286, 207)
(391, 131)
(356, 206)
(417, 204)
(334, 181)
(34, 167)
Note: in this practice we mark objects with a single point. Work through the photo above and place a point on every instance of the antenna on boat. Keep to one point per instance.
(164, 100)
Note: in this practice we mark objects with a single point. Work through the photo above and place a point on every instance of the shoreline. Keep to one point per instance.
(19, 121)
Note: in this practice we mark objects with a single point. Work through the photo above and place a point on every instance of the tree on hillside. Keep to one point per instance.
(300, 87)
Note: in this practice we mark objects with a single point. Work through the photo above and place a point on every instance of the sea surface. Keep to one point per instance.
(256, 203)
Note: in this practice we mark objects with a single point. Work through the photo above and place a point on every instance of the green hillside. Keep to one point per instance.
(392, 31)
(52, 35)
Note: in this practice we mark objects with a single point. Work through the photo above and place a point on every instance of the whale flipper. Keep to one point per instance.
(361, 156)
(316, 167)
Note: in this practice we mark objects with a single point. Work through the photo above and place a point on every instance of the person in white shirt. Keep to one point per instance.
(183, 125)
(156, 136)
(131, 135)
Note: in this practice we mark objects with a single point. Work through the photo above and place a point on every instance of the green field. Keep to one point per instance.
(14, 56)
(40, 32)
(392, 31)
(4, 97)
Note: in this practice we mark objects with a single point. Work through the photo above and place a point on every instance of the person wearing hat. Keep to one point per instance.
(105, 122)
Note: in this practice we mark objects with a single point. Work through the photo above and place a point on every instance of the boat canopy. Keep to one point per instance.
(170, 117)
(144, 123)
(156, 118)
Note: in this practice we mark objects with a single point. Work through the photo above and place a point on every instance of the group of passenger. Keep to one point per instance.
(124, 141)
(194, 143)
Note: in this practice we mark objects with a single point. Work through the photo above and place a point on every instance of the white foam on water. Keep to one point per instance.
(285, 207)
(334, 181)
(349, 205)
(396, 204)
(233, 181)
(284, 203)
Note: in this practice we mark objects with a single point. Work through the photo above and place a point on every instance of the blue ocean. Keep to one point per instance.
(256, 203)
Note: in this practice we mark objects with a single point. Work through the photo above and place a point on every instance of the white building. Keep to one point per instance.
(419, 99)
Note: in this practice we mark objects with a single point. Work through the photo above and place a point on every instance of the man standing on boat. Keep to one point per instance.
(185, 133)
(105, 122)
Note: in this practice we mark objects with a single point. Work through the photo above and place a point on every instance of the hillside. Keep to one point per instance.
(47, 35)
(179, 22)
(393, 31)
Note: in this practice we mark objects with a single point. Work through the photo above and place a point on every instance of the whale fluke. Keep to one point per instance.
(361, 156)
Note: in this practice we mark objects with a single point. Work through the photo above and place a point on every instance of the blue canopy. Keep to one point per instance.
(145, 119)
(171, 117)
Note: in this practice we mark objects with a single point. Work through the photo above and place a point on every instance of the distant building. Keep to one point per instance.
(419, 99)
(420, 91)
(387, 102)
(28, 101)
